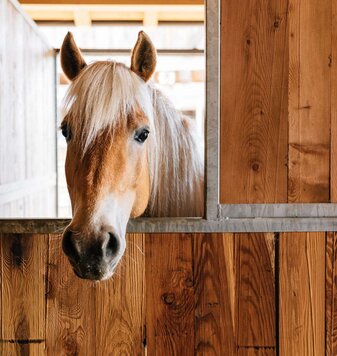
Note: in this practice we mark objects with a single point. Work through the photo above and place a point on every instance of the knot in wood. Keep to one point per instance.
(256, 166)
(70, 345)
(277, 23)
(189, 282)
(168, 298)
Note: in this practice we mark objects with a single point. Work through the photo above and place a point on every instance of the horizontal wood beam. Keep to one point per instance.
(181, 225)
(115, 2)
(148, 14)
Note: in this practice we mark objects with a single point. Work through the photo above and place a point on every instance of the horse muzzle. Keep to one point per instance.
(94, 257)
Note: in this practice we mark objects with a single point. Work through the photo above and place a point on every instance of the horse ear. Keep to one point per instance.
(144, 57)
(72, 61)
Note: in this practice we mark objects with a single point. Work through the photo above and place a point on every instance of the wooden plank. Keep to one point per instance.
(23, 268)
(215, 294)
(91, 318)
(309, 101)
(302, 294)
(253, 102)
(255, 290)
(234, 294)
(117, 2)
(29, 348)
(181, 225)
(333, 78)
(169, 295)
(331, 294)
(110, 12)
(120, 304)
(71, 327)
(256, 351)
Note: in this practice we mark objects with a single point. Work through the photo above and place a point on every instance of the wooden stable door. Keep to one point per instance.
(173, 294)
(278, 101)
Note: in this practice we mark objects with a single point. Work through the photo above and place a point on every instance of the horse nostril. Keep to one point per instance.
(68, 245)
(113, 244)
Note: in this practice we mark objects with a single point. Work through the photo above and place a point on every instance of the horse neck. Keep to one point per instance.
(177, 164)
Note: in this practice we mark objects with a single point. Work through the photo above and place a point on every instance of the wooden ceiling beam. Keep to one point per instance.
(82, 18)
(114, 2)
(86, 14)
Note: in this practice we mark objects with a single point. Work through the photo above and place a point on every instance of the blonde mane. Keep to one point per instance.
(106, 93)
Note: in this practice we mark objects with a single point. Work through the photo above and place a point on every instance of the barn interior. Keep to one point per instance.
(255, 276)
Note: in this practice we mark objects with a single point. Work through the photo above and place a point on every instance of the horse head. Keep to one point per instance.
(108, 124)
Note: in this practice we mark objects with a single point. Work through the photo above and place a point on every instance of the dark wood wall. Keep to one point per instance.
(173, 294)
(27, 118)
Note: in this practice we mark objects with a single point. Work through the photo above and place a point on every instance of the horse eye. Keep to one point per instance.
(141, 135)
(66, 131)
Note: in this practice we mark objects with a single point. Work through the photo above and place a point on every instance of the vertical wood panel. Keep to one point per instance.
(215, 294)
(70, 307)
(234, 294)
(333, 154)
(169, 295)
(89, 318)
(120, 315)
(23, 268)
(302, 294)
(331, 294)
(256, 290)
(309, 101)
(254, 86)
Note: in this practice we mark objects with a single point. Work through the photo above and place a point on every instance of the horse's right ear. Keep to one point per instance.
(72, 61)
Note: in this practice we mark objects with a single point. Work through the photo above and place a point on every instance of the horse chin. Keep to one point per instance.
(90, 268)
(94, 275)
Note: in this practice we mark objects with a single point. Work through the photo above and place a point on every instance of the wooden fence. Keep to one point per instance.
(173, 294)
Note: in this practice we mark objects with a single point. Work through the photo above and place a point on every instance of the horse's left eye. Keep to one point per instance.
(141, 135)
(66, 131)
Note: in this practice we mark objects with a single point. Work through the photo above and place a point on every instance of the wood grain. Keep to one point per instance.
(302, 294)
(169, 295)
(23, 269)
(309, 101)
(256, 351)
(71, 327)
(256, 290)
(91, 318)
(234, 293)
(333, 81)
(254, 86)
(331, 294)
(120, 304)
(215, 298)
(22, 349)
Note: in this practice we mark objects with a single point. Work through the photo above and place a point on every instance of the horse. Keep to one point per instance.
(129, 153)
